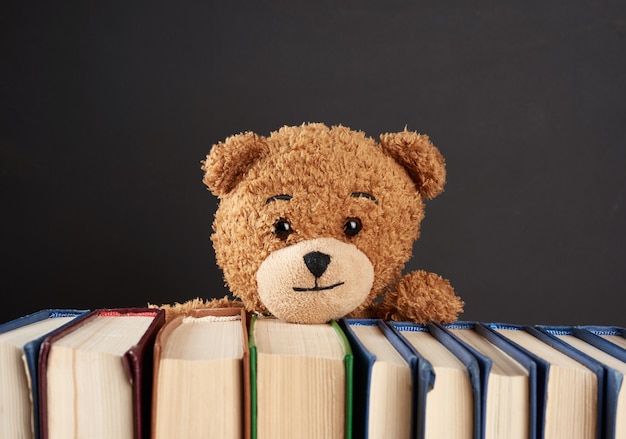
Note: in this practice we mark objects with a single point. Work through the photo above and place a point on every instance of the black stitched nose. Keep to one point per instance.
(317, 263)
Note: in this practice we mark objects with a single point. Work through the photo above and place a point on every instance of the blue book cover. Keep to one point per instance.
(590, 340)
(426, 376)
(31, 348)
(486, 363)
(364, 360)
(543, 369)
(611, 339)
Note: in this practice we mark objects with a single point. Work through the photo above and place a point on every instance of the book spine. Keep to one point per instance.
(253, 375)
(349, 368)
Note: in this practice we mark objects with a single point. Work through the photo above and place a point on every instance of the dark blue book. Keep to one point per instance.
(508, 382)
(569, 385)
(384, 398)
(608, 338)
(448, 382)
(612, 358)
(20, 341)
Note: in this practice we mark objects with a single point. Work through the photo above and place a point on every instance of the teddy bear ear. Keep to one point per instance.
(228, 161)
(421, 159)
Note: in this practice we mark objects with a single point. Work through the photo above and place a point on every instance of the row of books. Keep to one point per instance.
(223, 373)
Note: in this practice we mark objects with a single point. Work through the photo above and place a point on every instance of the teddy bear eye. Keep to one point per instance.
(282, 228)
(352, 226)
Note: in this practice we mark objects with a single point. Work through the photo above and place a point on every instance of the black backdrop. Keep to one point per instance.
(107, 110)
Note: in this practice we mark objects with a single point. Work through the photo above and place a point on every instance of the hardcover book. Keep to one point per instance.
(614, 337)
(569, 385)
(301, 380)
(384, 398)
(613, 361)
(202, 376)
(96, 375)
(448, 381)
(508, 382)
(20, 340)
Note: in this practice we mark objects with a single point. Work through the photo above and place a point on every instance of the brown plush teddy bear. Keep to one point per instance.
(316, 223)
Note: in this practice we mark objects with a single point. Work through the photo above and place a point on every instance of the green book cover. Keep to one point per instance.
(349, 368)
(348, 360)
(253, 357)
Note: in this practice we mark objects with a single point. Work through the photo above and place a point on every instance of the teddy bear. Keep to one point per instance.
(316, 223)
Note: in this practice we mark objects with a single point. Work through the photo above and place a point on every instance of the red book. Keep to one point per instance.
(96, 375)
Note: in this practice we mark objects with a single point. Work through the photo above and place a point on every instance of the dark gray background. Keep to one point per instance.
(107, 110)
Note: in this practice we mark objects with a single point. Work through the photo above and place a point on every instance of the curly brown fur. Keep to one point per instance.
(317, 179)
(420, 158)
(177, 308)
(421, 297)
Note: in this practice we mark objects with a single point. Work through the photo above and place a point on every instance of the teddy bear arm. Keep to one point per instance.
(421, 297)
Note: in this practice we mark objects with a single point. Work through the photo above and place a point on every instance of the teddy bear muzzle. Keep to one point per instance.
(315, 281)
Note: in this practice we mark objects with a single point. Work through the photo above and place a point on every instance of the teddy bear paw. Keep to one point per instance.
(421, 297)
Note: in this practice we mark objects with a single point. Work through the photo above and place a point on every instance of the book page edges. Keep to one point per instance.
(170, 326)
(130, 359)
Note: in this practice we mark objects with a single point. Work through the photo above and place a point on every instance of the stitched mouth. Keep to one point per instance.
(317, 287)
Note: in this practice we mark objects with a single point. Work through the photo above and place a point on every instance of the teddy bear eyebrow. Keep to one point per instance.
(364, 195)
(285, 197)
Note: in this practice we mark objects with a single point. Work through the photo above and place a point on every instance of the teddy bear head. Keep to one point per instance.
(314, 222)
